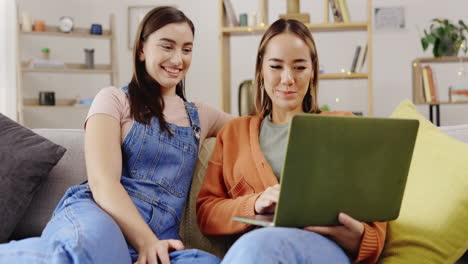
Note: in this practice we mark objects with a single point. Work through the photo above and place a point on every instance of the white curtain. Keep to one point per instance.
(8, 55)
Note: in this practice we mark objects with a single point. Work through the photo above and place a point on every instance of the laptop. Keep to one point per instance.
(333, 164)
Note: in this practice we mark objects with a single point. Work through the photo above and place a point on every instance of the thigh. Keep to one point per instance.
(194, 256)
(88, 233)
(285, 245)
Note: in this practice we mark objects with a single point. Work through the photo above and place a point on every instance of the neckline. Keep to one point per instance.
(264, 169)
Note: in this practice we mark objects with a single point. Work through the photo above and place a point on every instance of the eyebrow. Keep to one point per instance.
(294, 61)
(174, 42)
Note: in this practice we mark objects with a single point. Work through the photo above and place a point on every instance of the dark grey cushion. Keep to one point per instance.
(25, 161)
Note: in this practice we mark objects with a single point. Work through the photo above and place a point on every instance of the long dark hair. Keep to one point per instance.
(144, 91)
(263, 103)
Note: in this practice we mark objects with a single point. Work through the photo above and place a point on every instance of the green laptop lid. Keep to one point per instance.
(355, 165)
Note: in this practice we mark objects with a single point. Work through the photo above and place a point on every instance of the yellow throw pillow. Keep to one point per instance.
(433, 222)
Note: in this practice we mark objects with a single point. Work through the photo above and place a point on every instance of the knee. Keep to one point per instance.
(193, 256)
(256, 246)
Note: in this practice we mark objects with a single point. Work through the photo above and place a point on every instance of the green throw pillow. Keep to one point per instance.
(433, 222)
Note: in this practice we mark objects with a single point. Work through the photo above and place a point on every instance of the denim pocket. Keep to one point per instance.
(164, 223)
(144, 208)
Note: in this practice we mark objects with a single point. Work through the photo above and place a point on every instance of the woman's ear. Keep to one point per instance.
(141, 56)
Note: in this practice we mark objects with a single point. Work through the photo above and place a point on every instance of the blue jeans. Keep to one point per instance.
(81, 232)
(285, 245)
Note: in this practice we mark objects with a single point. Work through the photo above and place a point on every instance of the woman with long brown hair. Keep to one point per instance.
(243, 173)
(141, 146)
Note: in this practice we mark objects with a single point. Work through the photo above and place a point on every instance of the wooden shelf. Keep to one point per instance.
(325, 27)
(337, 76)
(76, 33)
(441, 103)
(27, 106)
(59, 103)
(70, 68)
(418, 87)
(439, 59)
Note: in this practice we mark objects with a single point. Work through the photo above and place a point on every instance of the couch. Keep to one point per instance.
(71, 171)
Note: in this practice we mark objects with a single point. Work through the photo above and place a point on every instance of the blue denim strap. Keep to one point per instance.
(192, 112)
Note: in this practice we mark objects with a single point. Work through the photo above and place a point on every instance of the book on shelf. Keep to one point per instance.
(427, 89)
(362, 60)
(432, 83)
(334, 6)
(355, 59)
(231, 17)
(419, 83)
(344, 11)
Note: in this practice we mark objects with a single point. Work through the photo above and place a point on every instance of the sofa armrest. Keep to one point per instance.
(189, 231)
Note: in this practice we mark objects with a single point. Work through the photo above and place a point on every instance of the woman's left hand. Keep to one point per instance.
(348, 236)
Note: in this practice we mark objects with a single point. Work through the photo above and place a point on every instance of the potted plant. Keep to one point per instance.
(446, 37)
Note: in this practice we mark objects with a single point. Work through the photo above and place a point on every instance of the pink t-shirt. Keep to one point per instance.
(113, 101)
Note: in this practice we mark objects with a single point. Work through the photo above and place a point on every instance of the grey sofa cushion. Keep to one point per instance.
(25, 161)
(69, 171)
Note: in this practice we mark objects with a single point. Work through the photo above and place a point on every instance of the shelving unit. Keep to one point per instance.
(418, 85)
(69, 68)
(225, 33)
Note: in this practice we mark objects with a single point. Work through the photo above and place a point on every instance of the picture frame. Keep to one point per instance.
(135, 16)
(389, 18)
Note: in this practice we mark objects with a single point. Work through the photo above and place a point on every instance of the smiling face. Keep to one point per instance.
(167, 54)
(287, 72)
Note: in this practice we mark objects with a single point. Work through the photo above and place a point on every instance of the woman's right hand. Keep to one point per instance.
(266, 202)
(158, 251)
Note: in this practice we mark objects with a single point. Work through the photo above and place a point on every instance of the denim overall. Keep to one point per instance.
(157, 173)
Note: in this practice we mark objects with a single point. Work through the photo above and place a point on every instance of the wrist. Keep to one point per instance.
(145, 241)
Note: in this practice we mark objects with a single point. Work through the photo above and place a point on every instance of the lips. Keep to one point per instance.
(172, 71)
(286, 92)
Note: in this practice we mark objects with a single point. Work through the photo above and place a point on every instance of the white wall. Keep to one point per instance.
(7, 61)
(393, 51)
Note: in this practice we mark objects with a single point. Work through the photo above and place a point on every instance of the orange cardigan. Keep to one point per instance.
(236, 176)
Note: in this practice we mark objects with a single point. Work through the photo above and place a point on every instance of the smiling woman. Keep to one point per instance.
(242, 178)
(8, 61)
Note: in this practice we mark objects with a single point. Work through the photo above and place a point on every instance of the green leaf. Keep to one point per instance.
(431, 38)
(435, 49)
(424, 44)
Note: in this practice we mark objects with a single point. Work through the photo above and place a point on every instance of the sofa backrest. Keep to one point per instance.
(69, 171)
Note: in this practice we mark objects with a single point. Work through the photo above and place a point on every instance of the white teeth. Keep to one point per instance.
(172, 70)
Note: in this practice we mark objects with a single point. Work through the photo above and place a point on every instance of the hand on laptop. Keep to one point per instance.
(266, 202)
(348, 236)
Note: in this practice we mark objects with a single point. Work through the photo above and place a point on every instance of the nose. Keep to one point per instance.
(287, 78)
(176, 58)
